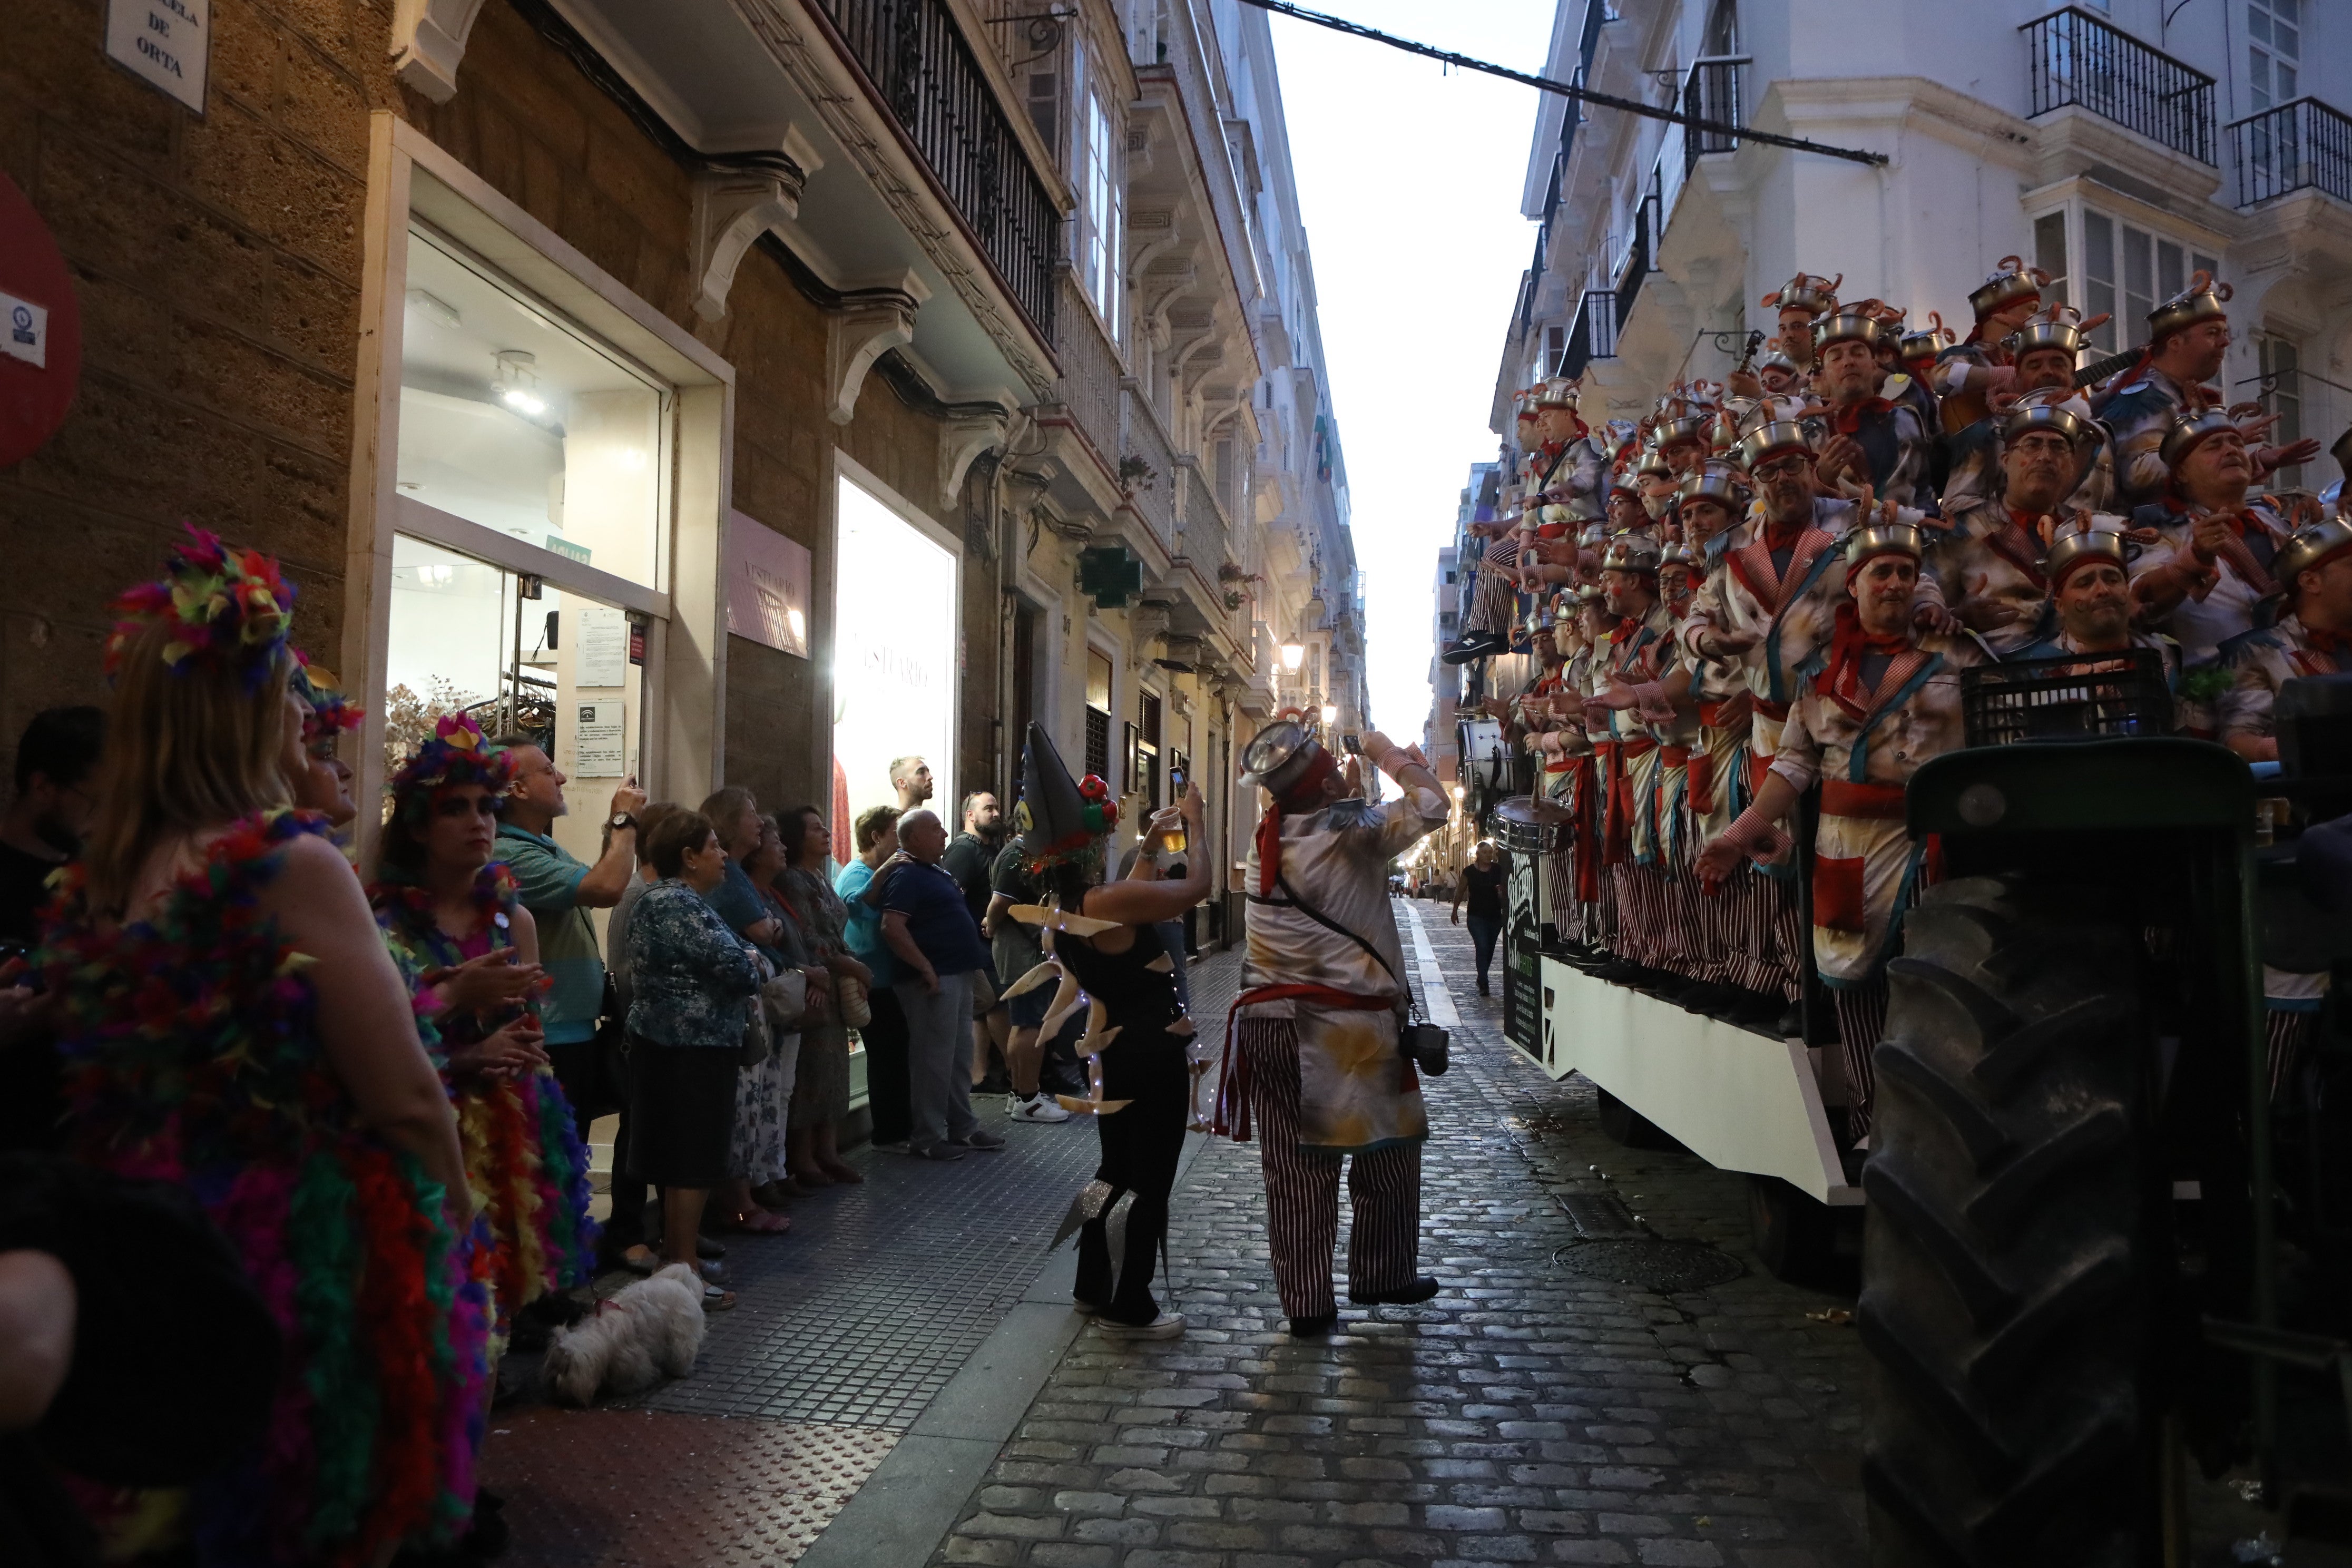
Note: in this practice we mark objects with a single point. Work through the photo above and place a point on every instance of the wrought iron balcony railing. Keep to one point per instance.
(922, 68)
(1711, 91)
(1594, 336)
(2074, 57)
(2305, 144)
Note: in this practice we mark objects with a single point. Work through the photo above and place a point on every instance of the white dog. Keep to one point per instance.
(647, 1332)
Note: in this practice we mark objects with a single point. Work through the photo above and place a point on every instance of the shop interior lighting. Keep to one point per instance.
(517, 377)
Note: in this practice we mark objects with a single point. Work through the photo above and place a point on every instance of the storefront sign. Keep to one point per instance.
(767, 586)
(599, 746)
(40, 330)
(164, 43)
(604, 646)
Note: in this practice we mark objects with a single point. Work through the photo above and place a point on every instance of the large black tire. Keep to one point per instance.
(1795, 1234)
(2011, 1249)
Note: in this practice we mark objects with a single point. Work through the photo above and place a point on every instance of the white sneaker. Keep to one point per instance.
(1167, 1326)
(1040, 1108)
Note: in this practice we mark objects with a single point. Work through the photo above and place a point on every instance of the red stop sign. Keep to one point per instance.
(40, 330)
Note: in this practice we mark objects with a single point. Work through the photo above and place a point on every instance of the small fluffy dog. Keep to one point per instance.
(641, 1334)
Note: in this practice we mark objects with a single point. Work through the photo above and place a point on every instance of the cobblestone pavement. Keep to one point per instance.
(1529, 1415)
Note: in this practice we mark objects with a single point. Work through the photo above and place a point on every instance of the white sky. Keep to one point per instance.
(1409, 178)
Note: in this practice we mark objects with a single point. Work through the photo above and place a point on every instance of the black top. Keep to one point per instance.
(23, 893)
(1140, 1001)
(943, 930)
(970, 861)
(1482, 890)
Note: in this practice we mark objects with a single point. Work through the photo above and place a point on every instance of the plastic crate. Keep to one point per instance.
(2079, 696)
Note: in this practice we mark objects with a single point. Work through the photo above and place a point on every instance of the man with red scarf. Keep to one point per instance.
(2313, 637)
(1317, 1064)
(1991, 560)
(1967, 373)
(1628, 718)
(1877, 435)
(2213, 574)
(1884, 699)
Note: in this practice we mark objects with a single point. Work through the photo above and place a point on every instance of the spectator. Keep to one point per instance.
(911, 777)
(42, 828)
(559, 891)
(734, 813)
(1482, 885)
(623, 1243)
(876, 838)
(970, 857)
(759, 1158)
(937, 946)
(325, 783)
(295, 1102)
(821, 1102)
(1013, 947)
(693, 984)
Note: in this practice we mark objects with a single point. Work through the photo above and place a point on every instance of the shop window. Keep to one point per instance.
(895, 617)
(513, 418)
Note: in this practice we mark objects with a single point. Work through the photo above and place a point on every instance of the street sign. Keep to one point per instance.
(164, 43)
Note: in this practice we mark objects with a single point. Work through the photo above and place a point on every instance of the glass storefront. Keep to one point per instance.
(895, 618)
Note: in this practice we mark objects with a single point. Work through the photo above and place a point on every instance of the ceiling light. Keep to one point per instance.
(523, 402)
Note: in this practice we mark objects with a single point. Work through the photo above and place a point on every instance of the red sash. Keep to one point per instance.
(1231, 1119)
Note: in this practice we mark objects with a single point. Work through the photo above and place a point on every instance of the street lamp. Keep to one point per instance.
(1330, 715)
(1293, 654)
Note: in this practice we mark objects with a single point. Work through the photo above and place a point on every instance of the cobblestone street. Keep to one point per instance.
(876, 1384)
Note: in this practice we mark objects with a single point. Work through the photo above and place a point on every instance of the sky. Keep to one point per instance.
(1408, 181)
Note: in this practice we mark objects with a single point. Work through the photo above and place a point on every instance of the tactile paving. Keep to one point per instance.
(591, 1488)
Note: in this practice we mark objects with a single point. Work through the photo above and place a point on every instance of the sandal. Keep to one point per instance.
(759, 1222)
(641, 1259)
(714, 1299)
(841, 1171)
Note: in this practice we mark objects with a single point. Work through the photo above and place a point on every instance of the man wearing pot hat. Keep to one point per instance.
(1624, 718)
(2088, 570)
(1885, 697)
(1316, 1062)
(1800, 300)
(1877, 435)
(2044, 354)
(2214, 575)
(1990, 561)
(1969, 371)
(2312, 636)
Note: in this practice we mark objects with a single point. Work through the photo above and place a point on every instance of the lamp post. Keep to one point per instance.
(1293, 654)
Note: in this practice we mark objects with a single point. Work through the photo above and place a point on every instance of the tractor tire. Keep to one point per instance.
(1795, 1234)
(2012, 1250)
(1626, 1126)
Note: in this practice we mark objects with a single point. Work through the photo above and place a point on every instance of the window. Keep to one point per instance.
(1143, 772)
(2273, 50)
(1722, 30)
(2050, 251)
(2283, 395)
(1098, 715)
(2126, 272)
(893, 675)
(1098, 235)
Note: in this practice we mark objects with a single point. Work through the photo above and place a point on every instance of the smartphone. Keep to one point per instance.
(1352, 742)
(1176, 782)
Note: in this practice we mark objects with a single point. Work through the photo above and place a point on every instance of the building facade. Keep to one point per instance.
(724, 392)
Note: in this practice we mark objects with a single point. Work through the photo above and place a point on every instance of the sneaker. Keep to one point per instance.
(938, 1151)
(1042, 1107)
(986, 1142)
(1166, 1326)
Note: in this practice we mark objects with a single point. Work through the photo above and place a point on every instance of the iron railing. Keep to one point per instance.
(2074, 58)
(1594, 336)
(1088, 386)
(1596, 12)
(922, 68)
(1711, 91)
(1203, 541)
(2305, 144)
(1148, 466)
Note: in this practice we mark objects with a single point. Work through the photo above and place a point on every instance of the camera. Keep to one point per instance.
(1426, 1045)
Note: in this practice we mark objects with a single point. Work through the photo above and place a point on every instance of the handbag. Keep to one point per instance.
(785, 1000)
(856, 1009)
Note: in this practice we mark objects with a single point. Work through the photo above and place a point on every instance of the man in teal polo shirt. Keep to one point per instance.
(559, 891)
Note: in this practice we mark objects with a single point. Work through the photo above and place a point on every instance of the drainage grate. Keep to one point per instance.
(1599, 1216)
(1650, 1264)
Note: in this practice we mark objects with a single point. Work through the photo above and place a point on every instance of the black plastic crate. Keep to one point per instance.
(2079, 696)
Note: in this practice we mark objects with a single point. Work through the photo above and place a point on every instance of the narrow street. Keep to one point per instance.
(903, 1380)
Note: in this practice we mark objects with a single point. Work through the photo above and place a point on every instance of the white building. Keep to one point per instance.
(2119, 143)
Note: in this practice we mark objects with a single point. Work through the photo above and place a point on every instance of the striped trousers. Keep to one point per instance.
(1861, 1019)
(1302, 1190)
(2290, 1037)
(1494, 600)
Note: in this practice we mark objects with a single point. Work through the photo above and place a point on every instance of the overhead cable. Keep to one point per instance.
(1568, 89)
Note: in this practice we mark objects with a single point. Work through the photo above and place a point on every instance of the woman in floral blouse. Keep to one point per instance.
(692, 985)
(821, 1097)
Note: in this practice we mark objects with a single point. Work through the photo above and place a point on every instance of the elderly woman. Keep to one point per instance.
(693, 983)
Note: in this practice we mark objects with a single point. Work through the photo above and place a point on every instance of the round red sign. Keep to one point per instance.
(40, 330)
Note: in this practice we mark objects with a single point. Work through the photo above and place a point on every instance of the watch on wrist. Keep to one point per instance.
(621, 819)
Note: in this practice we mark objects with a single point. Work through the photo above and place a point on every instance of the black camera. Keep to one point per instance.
(1426, 1044)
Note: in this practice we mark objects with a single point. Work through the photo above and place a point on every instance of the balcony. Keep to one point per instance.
(1711, 91)
(1148, 466)
(1594, 336)
(919, 65)
(1087, 390)
(2302, 145)
(2074, 58)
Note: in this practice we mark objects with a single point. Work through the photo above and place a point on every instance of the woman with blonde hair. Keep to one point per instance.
(231, 1022)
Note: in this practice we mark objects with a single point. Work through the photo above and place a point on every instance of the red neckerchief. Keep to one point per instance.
(2322, 652)
(1752, 565)
(1841, 679)
(2018, 540)
(1847, 420)
(1301, 797)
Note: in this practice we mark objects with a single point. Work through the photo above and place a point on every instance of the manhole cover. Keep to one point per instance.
(1664, 1267)
(1602, 1216)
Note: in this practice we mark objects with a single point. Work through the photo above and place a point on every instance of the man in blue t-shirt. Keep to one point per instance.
(931, 930)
